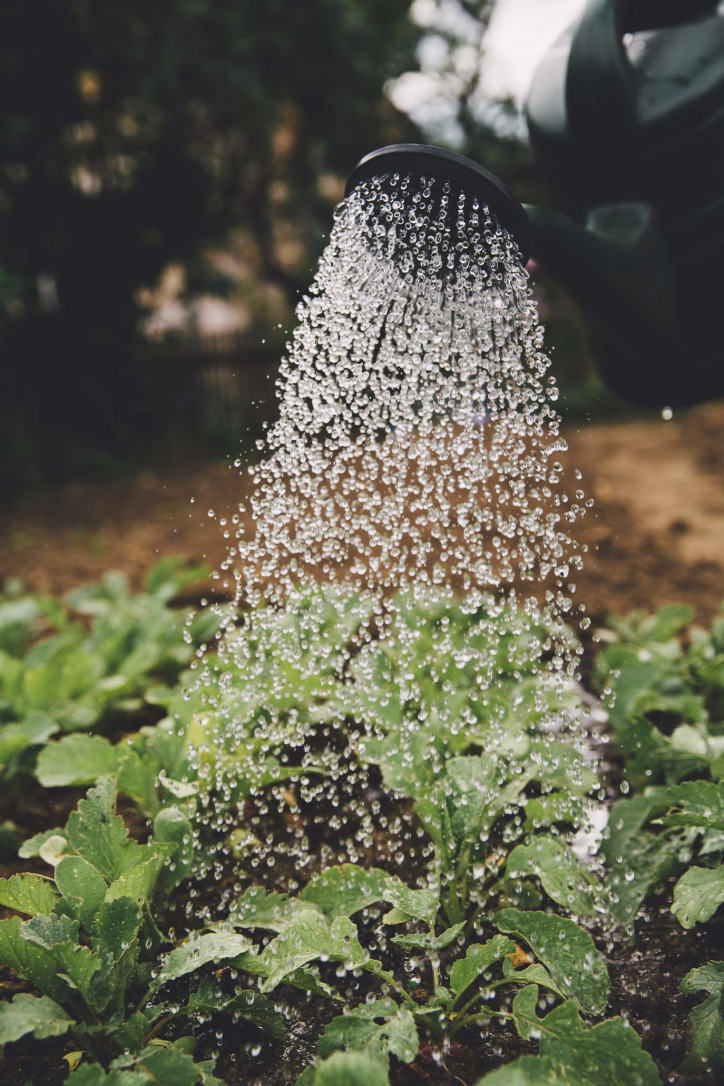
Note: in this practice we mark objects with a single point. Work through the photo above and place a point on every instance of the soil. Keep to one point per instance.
(655, 535)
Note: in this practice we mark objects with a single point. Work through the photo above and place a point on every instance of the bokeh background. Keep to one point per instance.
(168, 174)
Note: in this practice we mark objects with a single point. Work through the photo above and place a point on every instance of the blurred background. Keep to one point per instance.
(168, 173)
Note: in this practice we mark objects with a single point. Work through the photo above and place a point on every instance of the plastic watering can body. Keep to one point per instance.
(626, 117)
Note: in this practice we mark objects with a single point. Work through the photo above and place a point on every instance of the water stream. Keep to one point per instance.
(414, 472)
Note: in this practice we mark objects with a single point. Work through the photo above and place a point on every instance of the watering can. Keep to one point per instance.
(626, 118)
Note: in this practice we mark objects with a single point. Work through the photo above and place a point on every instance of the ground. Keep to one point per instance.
(655, 532)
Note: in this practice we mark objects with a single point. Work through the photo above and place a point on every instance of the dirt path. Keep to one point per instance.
(656, 532)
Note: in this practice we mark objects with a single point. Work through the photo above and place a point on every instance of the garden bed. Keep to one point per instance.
(223, 903)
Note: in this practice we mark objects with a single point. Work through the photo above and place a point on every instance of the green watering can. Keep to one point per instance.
(626, 118)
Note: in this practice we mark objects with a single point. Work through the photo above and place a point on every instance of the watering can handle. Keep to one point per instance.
(601, 83)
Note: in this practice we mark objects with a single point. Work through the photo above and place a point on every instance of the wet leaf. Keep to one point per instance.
(344, 890)
(572, 1054)
(75, 877)
(415, 904)
(309, 938)
(478, 958)
(30, 960)
(696, 803)
(98, 834)
(429, 941)
(172, 827)
(116, 925)
(533, 974)
(250, 1005)
(567, 951)
(562, 875)
(706, 1022)
(139, 881)
(698, 894)
(32, 1014)
(375, 1029)
(199, 951)
(28, 894)
(58, 937)
(76, 760)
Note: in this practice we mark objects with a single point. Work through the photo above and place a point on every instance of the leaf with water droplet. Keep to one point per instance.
(698, 894)
(478, 958)
(199, 951)
(572, 1054)
(29, 894)
(532, 974)
(563, 877)
(75, 877)
(705, 1025)
(428, 940)
(308, 938)
(248, 1004)
(696, 803)
(344, 890)
(375, 1029)
(567, 951)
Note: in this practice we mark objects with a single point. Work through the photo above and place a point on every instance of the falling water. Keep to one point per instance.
(415, 466)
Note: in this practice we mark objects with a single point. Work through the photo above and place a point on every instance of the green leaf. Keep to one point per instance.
(58, 937)
(698, 894)
(76, 759)
(561, 873)
(34, 730)
(348, 1069)
(31, 961)
(640, 861)
(257, 908)
(248, 1004)
(375, 1029)
(32, 1014)
(478, 958)
(172, 827)
(138, 882)
(168, 1066)
(417, 904)
(567, 951)
(705, 1025)
(308, 938)
(75, 877)
(137, 778)
(571, 1054)
(116, 925)
(532, 974)
(344, 890)
(30, 848)
(199, 951)
(29, 894)
(98, 834)
(696, 803)
(429, 941)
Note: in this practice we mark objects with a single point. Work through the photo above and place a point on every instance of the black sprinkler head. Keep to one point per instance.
(463, 175)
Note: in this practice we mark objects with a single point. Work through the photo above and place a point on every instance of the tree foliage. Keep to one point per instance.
(134, 133)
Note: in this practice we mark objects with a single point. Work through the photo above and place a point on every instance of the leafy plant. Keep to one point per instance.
(92, 943)
(72, 680)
